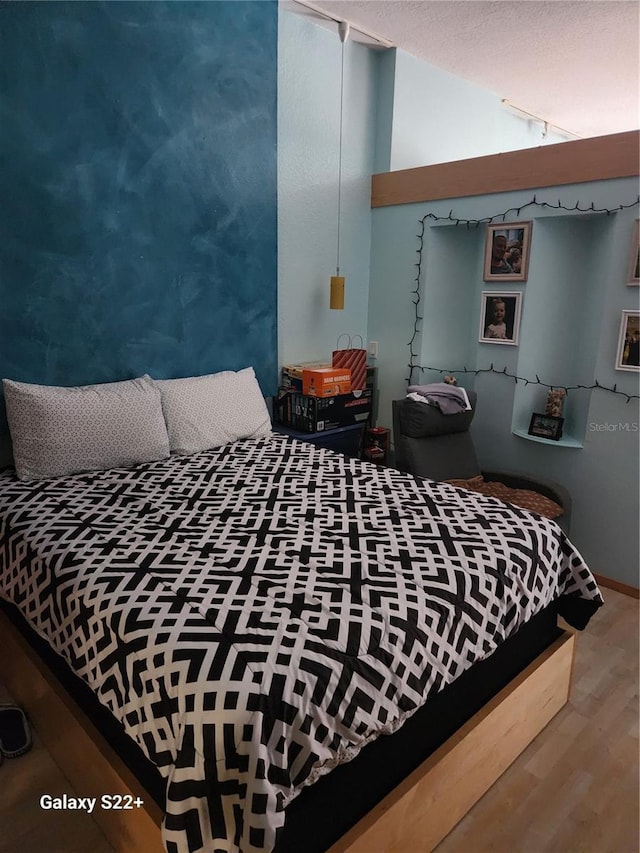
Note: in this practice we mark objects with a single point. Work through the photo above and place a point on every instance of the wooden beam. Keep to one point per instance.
(599, 159)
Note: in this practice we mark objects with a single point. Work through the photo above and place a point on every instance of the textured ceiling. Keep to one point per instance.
(573, 63)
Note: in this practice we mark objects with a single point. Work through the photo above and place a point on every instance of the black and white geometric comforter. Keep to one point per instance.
(255, 614)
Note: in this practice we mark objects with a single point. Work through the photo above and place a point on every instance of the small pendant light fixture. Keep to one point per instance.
(336, 300)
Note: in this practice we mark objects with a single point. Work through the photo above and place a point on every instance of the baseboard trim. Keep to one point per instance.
(624, 588)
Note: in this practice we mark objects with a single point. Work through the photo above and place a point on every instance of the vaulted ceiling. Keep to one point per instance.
(573, 63)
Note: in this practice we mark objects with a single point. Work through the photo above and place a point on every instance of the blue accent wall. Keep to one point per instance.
(138, 224)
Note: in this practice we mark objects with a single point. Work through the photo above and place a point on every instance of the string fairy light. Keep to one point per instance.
(536, 381)
(476, 223)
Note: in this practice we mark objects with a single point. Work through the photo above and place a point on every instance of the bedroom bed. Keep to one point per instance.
(305, 649)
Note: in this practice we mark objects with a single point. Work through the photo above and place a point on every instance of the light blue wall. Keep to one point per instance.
(398, 112)
(574, 296)
(386, 81)
(308, 149)
(402, 113)
(438, 117)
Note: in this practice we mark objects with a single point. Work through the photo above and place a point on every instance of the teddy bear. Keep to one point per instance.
(555, 400)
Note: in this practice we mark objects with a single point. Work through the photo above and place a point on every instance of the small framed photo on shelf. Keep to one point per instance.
(546, 426)
(500, 317)
(506, 251)
(628, 355)
(633, 276)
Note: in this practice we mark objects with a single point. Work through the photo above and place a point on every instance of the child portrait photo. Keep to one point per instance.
(500, 318)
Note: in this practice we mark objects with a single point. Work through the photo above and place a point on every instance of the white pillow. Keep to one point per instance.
(208, 411)
(58, 431)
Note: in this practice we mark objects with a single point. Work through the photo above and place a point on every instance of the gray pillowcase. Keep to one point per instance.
(208, 411)
(58, 431)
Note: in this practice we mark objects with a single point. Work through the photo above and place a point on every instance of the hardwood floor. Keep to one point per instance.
(24, 826)
(574, 790)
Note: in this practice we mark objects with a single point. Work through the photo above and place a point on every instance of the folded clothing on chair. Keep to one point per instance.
(448, 398)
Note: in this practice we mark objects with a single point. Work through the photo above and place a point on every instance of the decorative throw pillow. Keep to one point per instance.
(525, 498)
(208, 411)
(58, 431)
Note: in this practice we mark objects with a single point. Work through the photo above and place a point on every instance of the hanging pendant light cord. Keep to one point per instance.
(343, 30)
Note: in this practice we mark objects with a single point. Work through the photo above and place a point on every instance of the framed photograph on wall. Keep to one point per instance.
(546, 426)
(633, 276)
(500, 317)
(506, 251)
(628, 355)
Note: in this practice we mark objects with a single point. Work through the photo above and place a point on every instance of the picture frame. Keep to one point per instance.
(546, 426)
(633, 273)
(628, 355)
(500, 317)
(506, 251)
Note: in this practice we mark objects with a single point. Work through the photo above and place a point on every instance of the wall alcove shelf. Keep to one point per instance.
(564, 303)
(564, 441)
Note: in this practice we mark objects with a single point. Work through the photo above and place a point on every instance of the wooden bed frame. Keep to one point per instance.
(414, 817)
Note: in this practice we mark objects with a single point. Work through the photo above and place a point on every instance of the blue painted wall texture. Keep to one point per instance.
(138, 186)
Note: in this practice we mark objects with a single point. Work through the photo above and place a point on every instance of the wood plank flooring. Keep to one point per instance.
(24, 826)
(574, 790)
